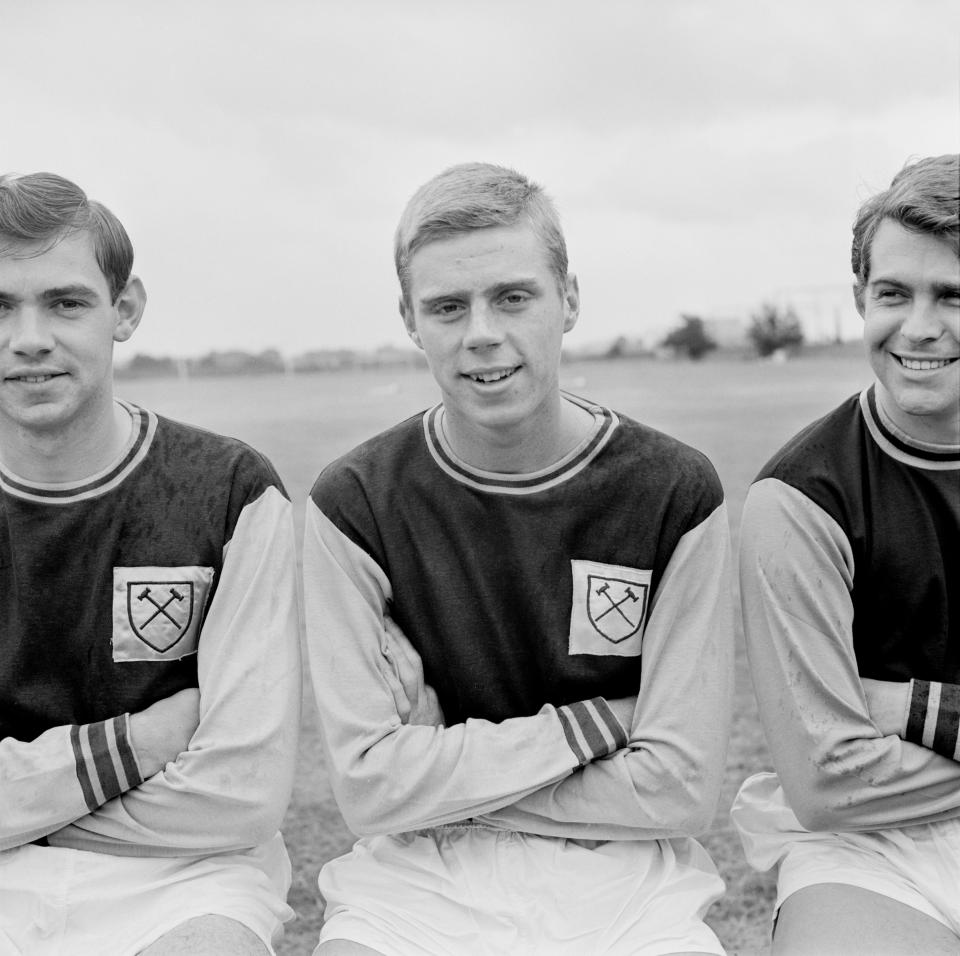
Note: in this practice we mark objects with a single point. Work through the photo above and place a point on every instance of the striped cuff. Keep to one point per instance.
(591, 729)
(105, 761)
(933, 719)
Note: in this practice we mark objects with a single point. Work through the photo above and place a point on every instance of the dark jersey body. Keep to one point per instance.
(899, 507)
(481, 564)
(172, 502)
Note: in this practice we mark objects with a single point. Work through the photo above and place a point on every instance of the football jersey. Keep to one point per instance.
(106, 590)
(850, 558)
(898, 505)
(524, 597)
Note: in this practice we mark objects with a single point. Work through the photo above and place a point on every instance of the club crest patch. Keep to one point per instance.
(610, 605)
(157, 611)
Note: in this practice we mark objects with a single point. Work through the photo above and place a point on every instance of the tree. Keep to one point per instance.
(618, 348)
(147, 366)
(690, 338)
(772, 329)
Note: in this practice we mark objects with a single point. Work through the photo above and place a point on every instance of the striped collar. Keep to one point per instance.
(897, 444)
(68, 492)
(604, 424)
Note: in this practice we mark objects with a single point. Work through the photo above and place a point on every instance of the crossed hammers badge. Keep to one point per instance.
(615, 608)
(160, 611)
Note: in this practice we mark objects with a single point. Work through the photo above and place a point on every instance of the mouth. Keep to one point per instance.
(34, 378)
(493, 376)
(924, 365)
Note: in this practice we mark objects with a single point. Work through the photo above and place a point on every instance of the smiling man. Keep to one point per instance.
(519, 627)
(850, 580)
(148, 627)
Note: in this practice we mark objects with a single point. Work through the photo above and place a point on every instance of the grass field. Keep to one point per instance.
(737, 412)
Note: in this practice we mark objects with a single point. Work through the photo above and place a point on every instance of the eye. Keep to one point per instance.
(515, 298)
(447, 309)
(70, 305)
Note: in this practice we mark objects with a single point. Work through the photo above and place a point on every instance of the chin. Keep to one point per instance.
(44, 417)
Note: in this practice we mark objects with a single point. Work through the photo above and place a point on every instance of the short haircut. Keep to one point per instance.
(924, 197)
(476, 196)
(41, 209)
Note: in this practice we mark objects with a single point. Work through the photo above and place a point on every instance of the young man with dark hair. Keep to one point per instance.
(850, 566)
(519, 626)
(148, 626)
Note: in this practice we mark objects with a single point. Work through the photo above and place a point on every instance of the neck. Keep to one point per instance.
(70, 455)
(925, 429)
(527, 446)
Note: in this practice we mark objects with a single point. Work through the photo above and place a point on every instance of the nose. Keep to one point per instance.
(31, 334)
(922, 322)
(483, 328)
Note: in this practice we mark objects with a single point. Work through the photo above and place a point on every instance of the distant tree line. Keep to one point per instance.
(771, 330)
(239, 362)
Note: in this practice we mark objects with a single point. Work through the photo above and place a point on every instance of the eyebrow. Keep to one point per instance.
(521, 282)
(70, 291)
(939, 288)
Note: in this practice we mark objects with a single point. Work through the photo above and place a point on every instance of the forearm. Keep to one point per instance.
(388, 774)
(61, 776)
(393, 777)
(666, 782)
(838, 769)
(230, 787)
(603, 802)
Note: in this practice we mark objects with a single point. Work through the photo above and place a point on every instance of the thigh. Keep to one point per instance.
(404, 895)
(227, 903)
(477, 892)
(836, 918)
(654, 897)
(6, 944)
(56, 900)
(35, 889)
(208, 936)
(344, 947)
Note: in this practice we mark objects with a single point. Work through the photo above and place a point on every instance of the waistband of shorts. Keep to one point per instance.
(481, 825)
(472, 823)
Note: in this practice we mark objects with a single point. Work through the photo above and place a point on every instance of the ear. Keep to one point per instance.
(129, 305)
(858, 293)
(410, 322)
(571, 302)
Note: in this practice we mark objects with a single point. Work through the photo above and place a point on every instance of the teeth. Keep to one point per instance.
(923, 365)
(35, 379)
(488, 377)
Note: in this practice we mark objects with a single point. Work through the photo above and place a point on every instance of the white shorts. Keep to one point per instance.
(477, 891)
(916, 865)
(60, 902)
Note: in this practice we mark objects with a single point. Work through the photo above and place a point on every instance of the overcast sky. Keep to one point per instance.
(705, 155)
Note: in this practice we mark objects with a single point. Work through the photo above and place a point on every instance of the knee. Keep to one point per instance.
(208, 936)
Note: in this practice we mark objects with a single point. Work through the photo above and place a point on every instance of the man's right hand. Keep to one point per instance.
(162, 731)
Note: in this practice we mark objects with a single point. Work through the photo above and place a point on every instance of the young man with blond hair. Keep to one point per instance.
(148, 626)
(519, 627)
(850, 582)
